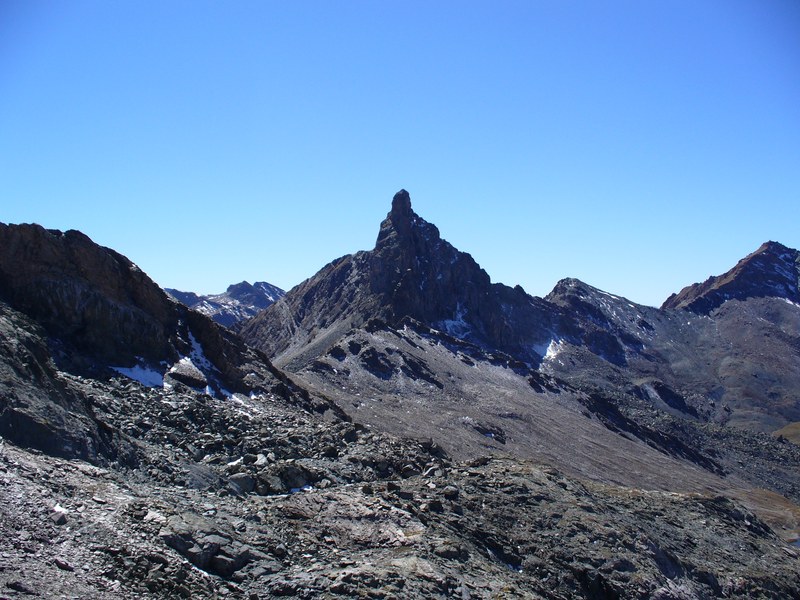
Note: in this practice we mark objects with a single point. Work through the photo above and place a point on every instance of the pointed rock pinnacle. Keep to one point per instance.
(398, 221)
(401, 204)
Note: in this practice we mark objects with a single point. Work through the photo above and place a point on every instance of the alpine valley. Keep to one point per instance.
(396, 426)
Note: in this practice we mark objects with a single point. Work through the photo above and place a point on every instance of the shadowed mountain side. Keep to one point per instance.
(92, 296)
(738, 366)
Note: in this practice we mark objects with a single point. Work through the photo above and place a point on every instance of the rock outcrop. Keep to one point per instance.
(71, 309)
(89, 296)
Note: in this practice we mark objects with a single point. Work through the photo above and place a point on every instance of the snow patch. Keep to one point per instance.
(553, 350)
(198, 358)
(541, 349)
(185, 361)
(145, 375)
(609, 295)
(457, 326)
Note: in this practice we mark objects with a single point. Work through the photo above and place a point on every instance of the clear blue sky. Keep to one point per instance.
(638, 146)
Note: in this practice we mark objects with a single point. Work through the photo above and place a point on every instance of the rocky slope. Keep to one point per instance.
(487, 529)
(739, 365)
(239, 302)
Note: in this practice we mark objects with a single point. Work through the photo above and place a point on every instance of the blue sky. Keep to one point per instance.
(638, 146)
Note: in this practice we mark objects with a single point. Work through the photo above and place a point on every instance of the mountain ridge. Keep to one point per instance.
(411, 272)
(771, 270)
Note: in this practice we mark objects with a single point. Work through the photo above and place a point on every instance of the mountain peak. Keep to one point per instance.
(240, 301)
(774, 248)
(239, 288)
(401, 204)
(399, 221)
(773, 270)
(411, 273)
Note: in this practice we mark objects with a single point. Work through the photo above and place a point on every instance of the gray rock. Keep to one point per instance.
(58, 517)
(242, 483)
(450, 492)
(63, 565)
(269, 484)
(187, 373)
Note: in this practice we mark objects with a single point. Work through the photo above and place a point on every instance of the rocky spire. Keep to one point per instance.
(401, 205)
(399, 220)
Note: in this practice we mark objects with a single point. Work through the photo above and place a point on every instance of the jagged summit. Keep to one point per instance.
(401, 221)
(773, 270)
(412, 272)
(571, 285)
(401, 203)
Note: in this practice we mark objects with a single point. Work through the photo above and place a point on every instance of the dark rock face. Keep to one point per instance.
(100, 310)
(239, 302)
(771, 271)
(43, 409)
(599, 332)
(417, 274)
(91, 296)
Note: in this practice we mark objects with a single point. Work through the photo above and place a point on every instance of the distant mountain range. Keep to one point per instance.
(394, 426)
(239, 302)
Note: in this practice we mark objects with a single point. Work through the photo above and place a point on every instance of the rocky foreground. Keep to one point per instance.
(249, 498)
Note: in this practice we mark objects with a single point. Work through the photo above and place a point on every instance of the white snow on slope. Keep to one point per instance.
(553, 350)
(144, 375)
(197, 356)
(457, 326)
